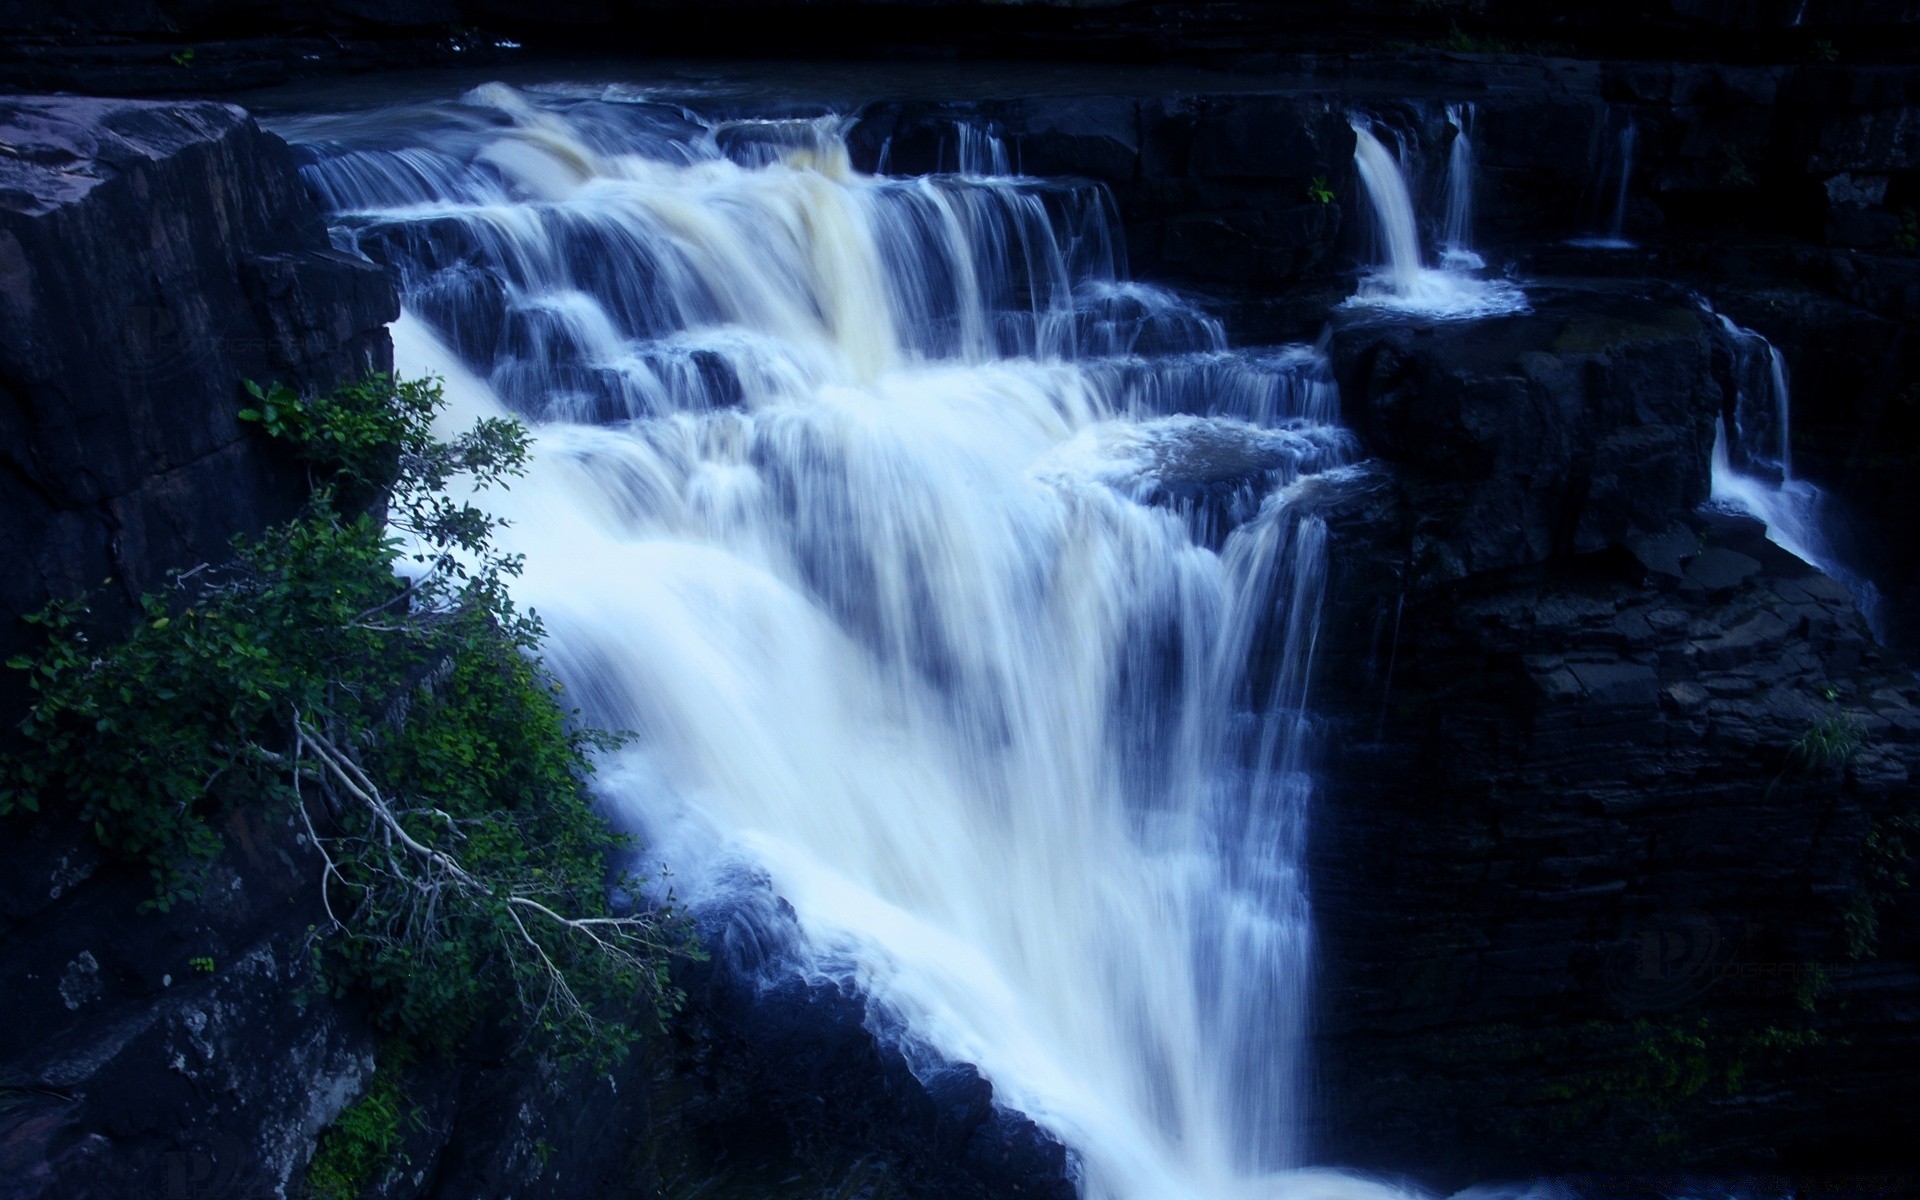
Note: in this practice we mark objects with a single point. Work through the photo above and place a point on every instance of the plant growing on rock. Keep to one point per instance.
(406, 724)
(1828, 745)
(364, 1140)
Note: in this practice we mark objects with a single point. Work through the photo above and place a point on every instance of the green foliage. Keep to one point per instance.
(1648, 1079)
(1885, 858)
(1824, 51)
(1828, 745)
(364, 1140)
(1464, 43)
(1908, 235)
(409, 725)
(202, 963)
(1319, 191)
(182, 58)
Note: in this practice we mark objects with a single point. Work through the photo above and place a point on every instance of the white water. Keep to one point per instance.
(954, 584)
(1403, 282)
(1753, 468)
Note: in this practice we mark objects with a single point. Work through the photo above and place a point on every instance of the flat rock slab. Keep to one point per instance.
(1718, 570)
(1617, 685)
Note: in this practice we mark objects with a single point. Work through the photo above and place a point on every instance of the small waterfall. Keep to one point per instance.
(1403, 282)
(1456, 243)
(1753, 468)
(1611, 182)
(961, 589)
(1387, 191)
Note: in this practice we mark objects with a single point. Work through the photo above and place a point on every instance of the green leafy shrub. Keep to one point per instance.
(407, 724)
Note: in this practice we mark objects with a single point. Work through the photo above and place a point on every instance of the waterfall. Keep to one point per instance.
(1403, 282)
(958, 588)
(1456, 244)
(1753, 468)
(1611, 180)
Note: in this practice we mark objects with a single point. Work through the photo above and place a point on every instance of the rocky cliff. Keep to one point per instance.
(1605, 865)
(154, 257)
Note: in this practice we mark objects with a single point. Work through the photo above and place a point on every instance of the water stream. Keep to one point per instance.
(956, 586)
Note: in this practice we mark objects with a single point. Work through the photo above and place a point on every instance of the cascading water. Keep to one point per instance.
(1611, 181)
(1403, 282)
(954, 584)
(1753, 468)
(1456, 241)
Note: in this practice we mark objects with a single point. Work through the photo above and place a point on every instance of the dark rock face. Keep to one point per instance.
(152, 256)
(126, 1063)
(1533, 437)
(779, 1084)
(1607, 781)
(1225, 194)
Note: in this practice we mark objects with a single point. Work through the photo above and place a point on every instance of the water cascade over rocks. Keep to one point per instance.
(955, 586)
(1753, 469)
(1613, 173)
(1403, 282)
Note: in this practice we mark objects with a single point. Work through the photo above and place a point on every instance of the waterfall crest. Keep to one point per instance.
(957, 587)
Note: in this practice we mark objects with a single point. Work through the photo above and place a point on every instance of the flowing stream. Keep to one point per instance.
(956, 587)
